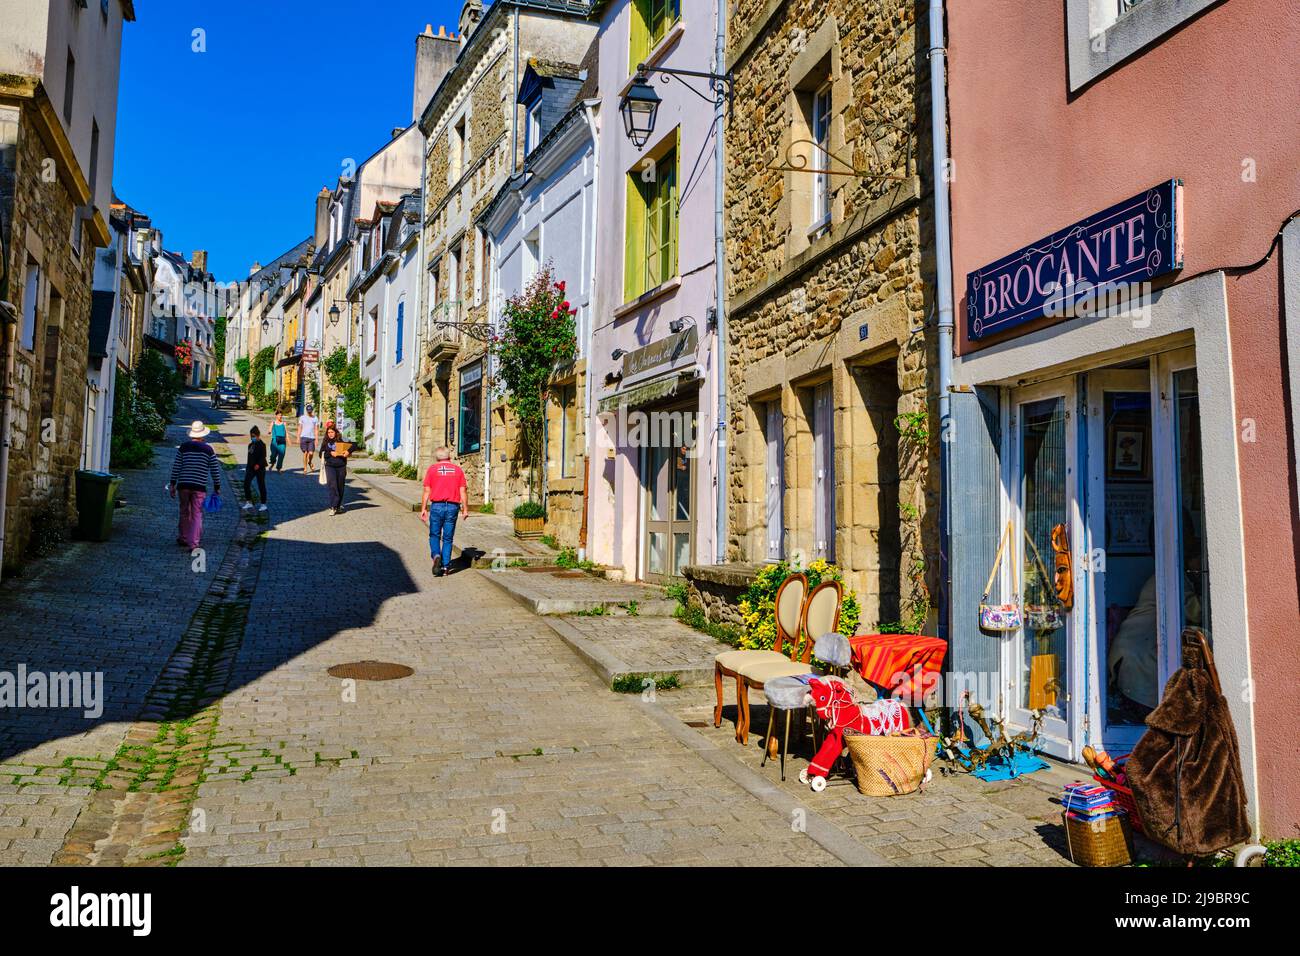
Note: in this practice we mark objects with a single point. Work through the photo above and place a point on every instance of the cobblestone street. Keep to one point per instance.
(230, 743)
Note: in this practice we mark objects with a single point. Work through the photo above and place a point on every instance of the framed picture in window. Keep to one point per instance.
(1128, 453)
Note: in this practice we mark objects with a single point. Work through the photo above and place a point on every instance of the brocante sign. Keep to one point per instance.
(1104, 257)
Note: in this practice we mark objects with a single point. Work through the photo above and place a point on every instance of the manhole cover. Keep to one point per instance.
(370, 670)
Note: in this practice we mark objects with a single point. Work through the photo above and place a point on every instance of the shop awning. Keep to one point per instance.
(647, 393)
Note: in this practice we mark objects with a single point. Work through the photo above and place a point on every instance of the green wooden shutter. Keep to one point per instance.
(640, 35)
(634, 250)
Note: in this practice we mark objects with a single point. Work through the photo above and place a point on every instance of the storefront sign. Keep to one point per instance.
(1081, 269)
(664, 352)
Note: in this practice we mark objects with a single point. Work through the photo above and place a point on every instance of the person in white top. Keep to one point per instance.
(307, 426)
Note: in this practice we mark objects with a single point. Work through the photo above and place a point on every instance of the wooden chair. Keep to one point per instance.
(789, 604)
(820, 614)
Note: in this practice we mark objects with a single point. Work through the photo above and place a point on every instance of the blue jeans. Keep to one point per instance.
(442, 525)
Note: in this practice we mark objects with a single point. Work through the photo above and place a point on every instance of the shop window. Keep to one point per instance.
(650, 253)
(470, 419)
(651, 21)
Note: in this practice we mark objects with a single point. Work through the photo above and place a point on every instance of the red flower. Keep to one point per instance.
(560, 285)
(565, 305)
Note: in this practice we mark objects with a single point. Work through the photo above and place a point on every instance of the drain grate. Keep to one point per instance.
(370, 670)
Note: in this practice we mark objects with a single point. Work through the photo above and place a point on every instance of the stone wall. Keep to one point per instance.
(716, 590)
(849, 304)
(50, 378)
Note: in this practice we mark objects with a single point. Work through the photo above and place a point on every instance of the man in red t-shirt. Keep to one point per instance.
(445, 496)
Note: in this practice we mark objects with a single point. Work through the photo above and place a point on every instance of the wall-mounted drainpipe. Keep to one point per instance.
(720, 306)
(9, 326)
(944, 280)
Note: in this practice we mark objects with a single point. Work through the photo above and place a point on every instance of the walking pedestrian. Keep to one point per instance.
(334, 453)
(195, 464)
(255, 469)
(308, 423)
(445, 496)
(279, 442)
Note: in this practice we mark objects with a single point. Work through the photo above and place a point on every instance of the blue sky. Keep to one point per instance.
(226, 149)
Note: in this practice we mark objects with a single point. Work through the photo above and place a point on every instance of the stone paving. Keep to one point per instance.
(502, 747)
(115, 608)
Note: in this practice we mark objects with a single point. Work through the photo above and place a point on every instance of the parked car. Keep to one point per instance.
(228, 393)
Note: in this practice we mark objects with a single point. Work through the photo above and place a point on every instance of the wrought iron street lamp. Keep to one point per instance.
(334, 314)
(640, 107)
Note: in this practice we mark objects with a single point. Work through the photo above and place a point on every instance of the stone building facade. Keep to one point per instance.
(58, 109)
(474, 141)
(832, 342)
(50, 284)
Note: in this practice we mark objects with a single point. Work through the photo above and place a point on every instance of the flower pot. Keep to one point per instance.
(529, 528)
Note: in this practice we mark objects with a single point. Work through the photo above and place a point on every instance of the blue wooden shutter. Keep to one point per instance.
(397, 418)
(975, 524)
(401, 308)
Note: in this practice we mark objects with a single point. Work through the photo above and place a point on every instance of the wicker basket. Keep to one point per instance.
(891, 765)
(1104, 843)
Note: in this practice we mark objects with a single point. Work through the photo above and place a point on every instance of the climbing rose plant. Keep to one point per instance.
(537, 336)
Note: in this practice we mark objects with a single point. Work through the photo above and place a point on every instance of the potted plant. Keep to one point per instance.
(530, 520)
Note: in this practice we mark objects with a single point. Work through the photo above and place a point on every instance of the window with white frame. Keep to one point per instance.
(31, 290)
(820, 127)
(533, 127)
(1101, 34)
(480, 249)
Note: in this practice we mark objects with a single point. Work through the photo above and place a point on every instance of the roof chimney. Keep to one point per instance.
(435, 55)
(470, 14)
(255, 268)
(322, 216)
(199, 260)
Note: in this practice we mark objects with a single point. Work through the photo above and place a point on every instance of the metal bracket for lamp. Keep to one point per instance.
(478, 331)
(724, 80)
(800, 161)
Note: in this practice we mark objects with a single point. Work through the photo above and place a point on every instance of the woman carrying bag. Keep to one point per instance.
(334, 466)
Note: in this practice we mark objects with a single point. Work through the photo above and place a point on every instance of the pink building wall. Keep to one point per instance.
(1030, 158)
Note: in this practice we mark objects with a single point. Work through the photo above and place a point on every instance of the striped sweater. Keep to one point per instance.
(195, 463)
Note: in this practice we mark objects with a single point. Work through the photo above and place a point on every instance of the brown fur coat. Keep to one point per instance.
(1185, 772)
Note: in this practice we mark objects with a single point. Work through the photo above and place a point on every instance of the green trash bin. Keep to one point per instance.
(95, 493)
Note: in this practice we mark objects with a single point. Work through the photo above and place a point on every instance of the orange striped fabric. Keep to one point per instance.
(891, 660)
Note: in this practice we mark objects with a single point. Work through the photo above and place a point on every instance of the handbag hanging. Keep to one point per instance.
(322, 480)
(1002, 617)
(1047, 615)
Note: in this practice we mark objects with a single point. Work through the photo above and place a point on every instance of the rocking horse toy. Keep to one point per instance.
(835, 705)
